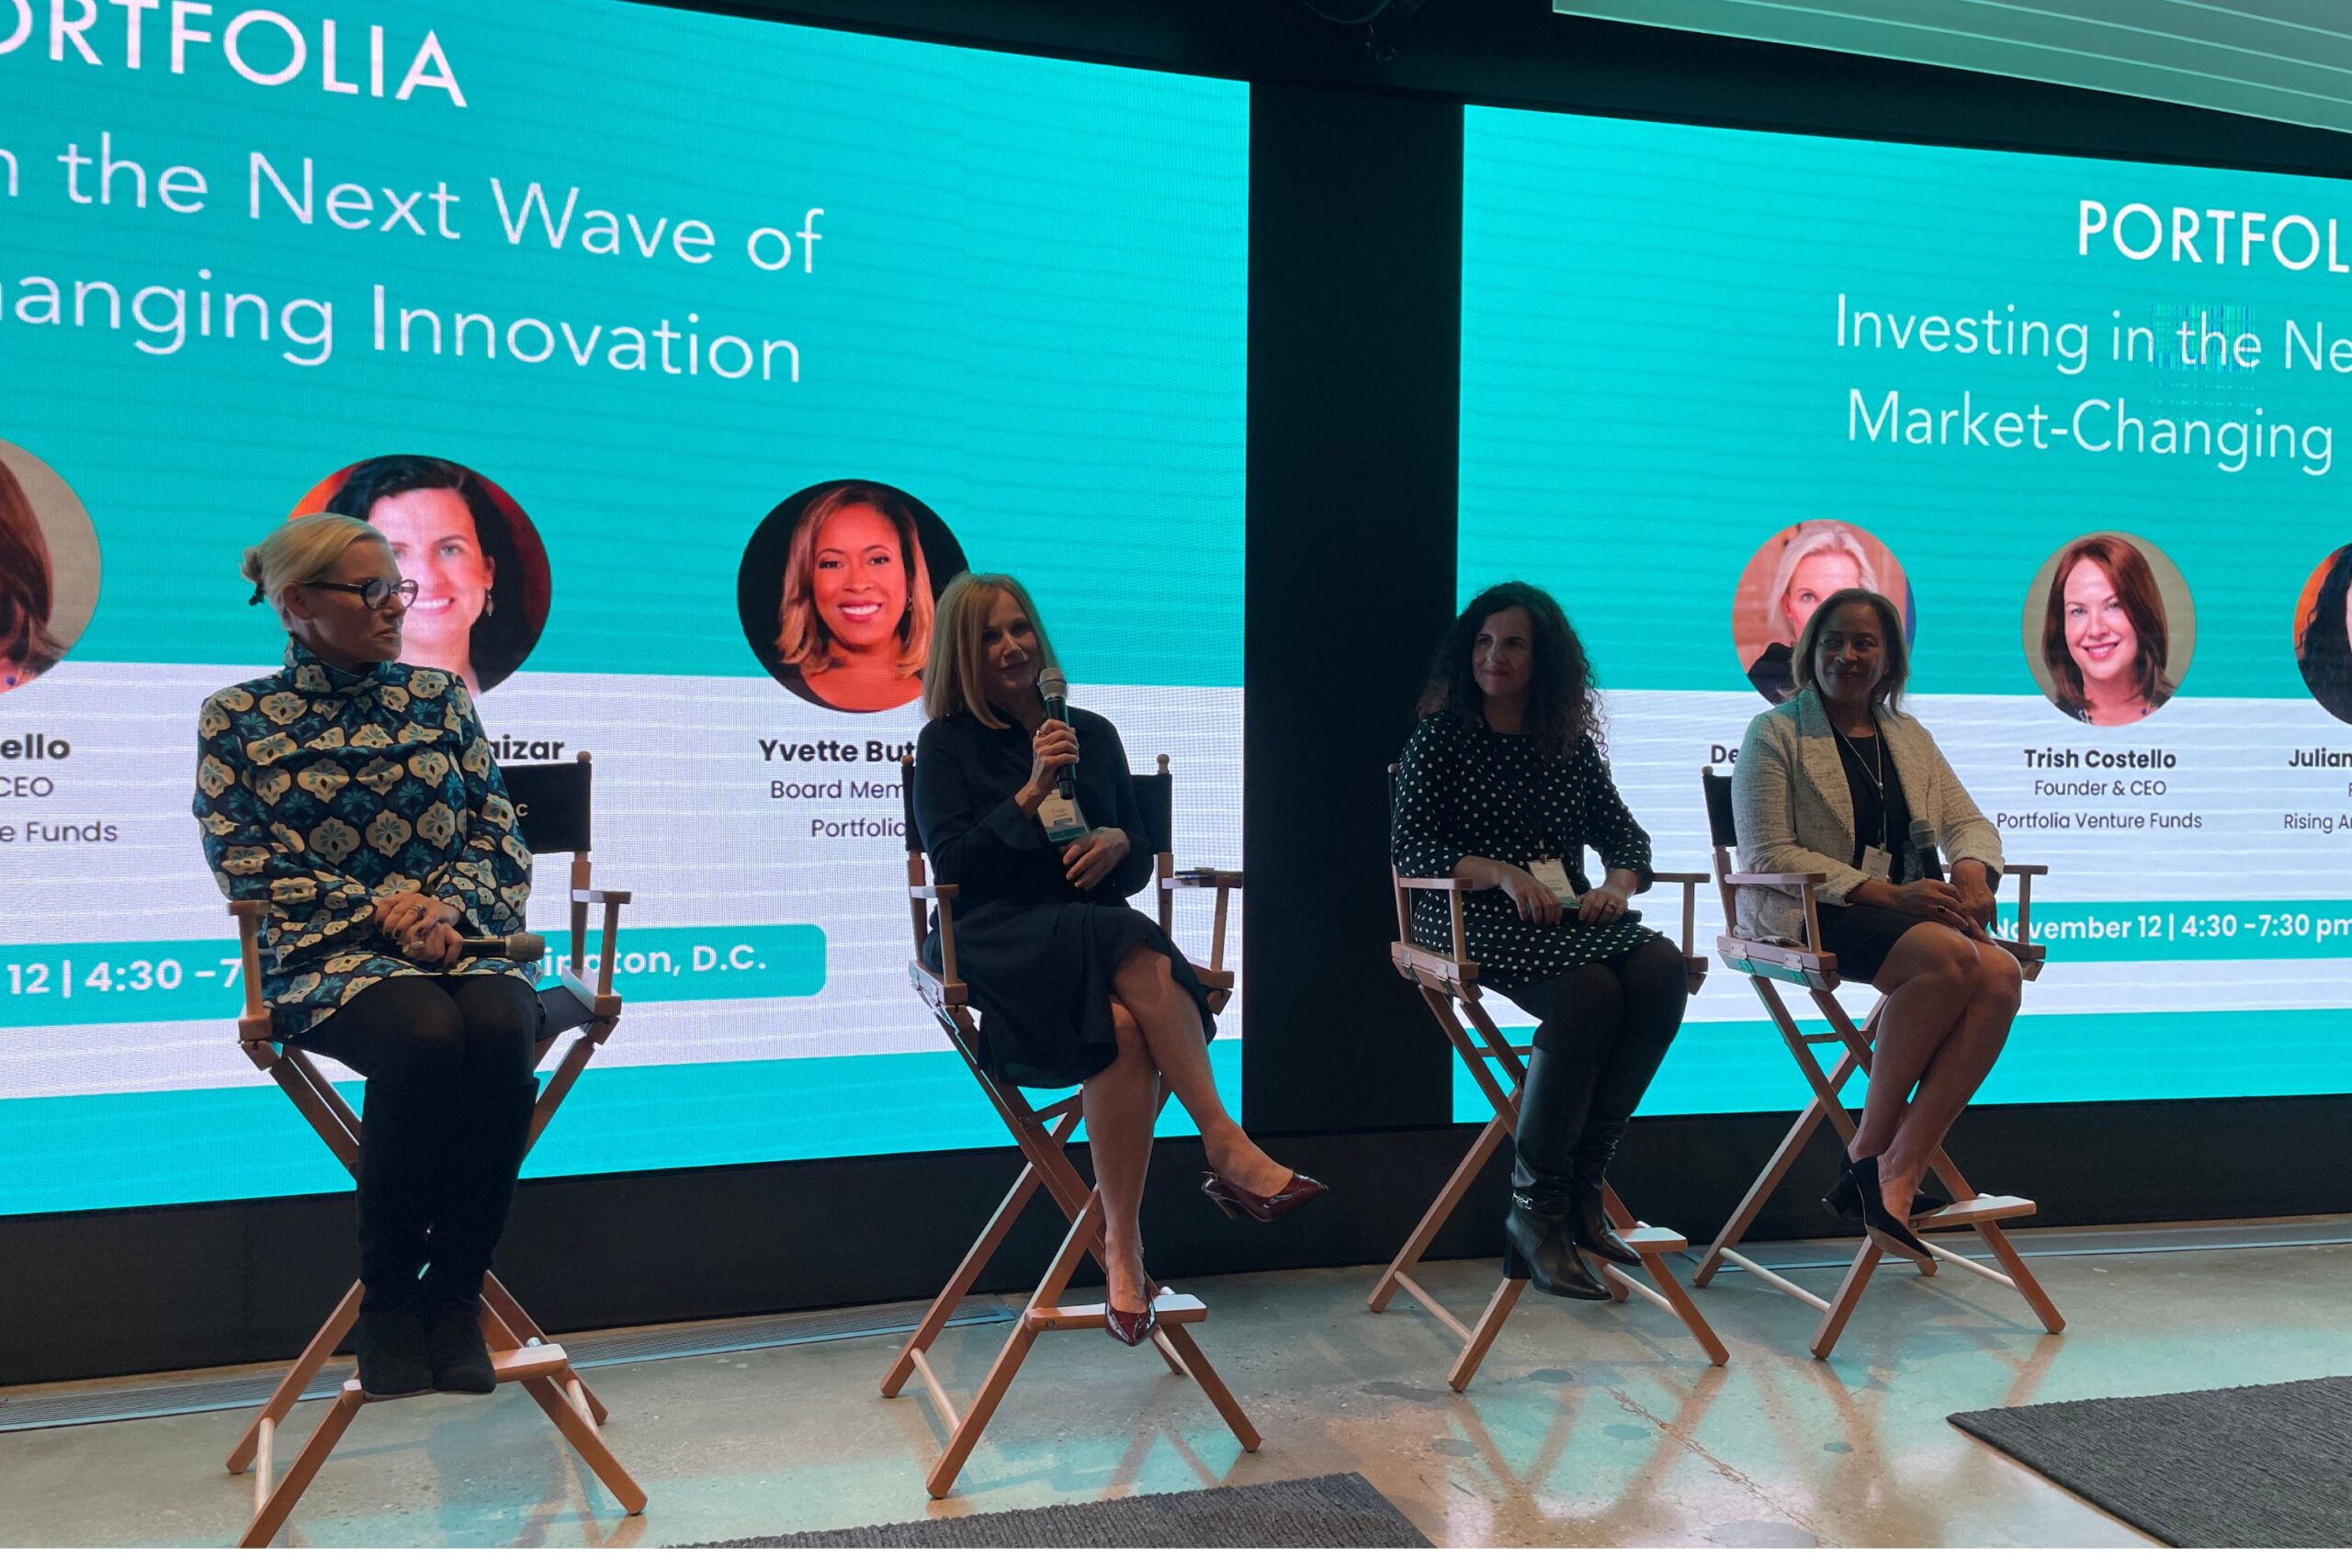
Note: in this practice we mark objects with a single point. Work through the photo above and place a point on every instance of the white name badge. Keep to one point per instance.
(1877, 862)
(1061, 819)
(1554, 877)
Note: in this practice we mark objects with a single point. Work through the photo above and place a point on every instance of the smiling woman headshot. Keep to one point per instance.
(480, 571)
(2116, 629)
(836, 593)
(1787, 579)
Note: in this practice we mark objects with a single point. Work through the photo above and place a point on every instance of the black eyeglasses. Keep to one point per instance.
(375, 590)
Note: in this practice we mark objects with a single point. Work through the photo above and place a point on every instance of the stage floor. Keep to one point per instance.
(1589, 1426)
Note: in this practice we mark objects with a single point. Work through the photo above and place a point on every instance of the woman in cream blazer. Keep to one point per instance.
(1840, 781)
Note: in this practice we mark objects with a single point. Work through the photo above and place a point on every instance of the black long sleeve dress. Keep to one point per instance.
(1036, 953)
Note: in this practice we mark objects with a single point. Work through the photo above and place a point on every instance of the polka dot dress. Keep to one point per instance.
(1463, 789)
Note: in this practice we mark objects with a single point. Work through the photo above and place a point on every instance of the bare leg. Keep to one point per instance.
(1958, 1067)
(1121, 1103)
(1171, 1031)
(1929, 979)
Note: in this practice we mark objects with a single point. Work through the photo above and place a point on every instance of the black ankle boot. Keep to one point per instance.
(459, 1360)
(390, 1339)
(1586, 1207)
(1539, 1231)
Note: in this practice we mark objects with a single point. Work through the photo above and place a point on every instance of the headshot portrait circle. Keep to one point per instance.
(1789, 575)
(2110, 628)
(48, 568)
(836, 589)
(482, 583)
(2324, 633)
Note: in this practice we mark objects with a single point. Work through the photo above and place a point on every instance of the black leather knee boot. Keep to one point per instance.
(395, 1203)
(478, 1189)
(1587, 1210)
(1541, 1228)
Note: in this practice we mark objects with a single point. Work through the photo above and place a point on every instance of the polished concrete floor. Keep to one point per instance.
(1589, 1426)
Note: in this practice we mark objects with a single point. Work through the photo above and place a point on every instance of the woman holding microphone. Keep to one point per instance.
(1839, 780)
(1074, 984)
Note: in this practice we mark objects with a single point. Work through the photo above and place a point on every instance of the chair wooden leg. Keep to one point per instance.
(1678, 1301)
(1483, 1333)
(1197, 1365)
(582, 1434)
(967, 1434)
(298, 1376)
(1441, 1210)
(959, 1284)
(1849, 1296)
(1759, 1193)
(276, 1500)
(2022, 1278)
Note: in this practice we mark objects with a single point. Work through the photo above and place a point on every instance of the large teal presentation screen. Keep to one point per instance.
(619, 322)
(2078, 418)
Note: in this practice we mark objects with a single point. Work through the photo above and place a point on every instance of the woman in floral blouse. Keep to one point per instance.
(358, 798)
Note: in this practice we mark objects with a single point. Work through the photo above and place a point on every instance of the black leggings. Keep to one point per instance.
(448, 1110)
(1603, 1030)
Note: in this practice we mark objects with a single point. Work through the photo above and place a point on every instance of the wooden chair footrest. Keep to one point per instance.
(1172, 1309)
(1649, 1239)
(1975, 1210)
(509, 1366)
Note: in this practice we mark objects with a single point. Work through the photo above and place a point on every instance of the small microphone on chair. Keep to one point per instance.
(523, 947)
(1923, 844)
(1055, 692)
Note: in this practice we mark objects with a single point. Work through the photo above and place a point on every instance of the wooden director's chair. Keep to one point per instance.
(1807, 966)
(552, 805)
(1448, 984)
(1044, 1144)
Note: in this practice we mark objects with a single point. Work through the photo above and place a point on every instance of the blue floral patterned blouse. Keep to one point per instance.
(321, 790)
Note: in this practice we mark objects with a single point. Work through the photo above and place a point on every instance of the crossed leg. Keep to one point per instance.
(1159, 1036)
(1949, 1001)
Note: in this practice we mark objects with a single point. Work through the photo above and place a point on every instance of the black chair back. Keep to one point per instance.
(552, 805)
(1719, 814)
(907, 803)
(1156, 799)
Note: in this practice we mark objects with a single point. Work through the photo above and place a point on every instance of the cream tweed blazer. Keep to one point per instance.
(1794, 812)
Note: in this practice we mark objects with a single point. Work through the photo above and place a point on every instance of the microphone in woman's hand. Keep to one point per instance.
(523, 947)
(1923, 844)
(1056, 690)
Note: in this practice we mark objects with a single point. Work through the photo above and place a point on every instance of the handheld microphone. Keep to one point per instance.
(523, 947)
(1923, 844)
(1056, 690)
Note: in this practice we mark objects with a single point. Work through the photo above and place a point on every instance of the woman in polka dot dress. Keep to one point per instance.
(1503, 783)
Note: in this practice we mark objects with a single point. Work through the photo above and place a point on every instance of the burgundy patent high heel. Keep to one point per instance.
(1129, 1328)
(1297, 1192)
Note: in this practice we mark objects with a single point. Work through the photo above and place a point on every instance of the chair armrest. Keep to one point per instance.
(598, 896)
(248, 906)
(2025, 870)
(943, 891)
(1692, 878)
(1438, 883)
(1203, 876)
(1776, 879)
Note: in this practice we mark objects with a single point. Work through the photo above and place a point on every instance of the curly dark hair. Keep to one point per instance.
(1563, 706)
(2327, 645)
(502, 636)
